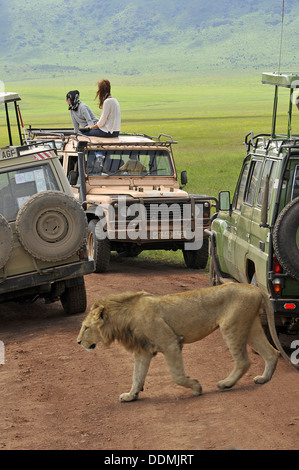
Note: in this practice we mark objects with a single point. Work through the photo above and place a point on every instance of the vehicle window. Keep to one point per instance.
(270, 171)
(18, 186)
(240, 193)
(272, 180)
(72, 163)
(295, 188)
(128, 163)
(252, 182)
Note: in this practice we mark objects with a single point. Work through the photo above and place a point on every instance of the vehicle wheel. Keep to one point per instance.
(98, 249)
(197, 259)
(51, 226)
(74, 299)
(286, 238)
(6, 241)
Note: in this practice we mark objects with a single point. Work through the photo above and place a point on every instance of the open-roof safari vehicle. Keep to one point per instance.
(255, 237)
(130, 185)
(43, 228)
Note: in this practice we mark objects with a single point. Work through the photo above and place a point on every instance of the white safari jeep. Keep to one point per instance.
(132, 198)
(43, 228)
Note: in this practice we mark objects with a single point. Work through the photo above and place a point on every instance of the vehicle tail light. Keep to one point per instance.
(289, 306)
(277, 282)
(277, 269)
(277, 286)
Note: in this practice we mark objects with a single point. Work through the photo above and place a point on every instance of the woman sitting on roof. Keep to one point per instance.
(81, 114)
(109, 123)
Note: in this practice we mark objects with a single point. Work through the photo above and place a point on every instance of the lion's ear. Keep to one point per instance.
(98, 313)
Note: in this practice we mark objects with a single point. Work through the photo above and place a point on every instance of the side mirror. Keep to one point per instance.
(224, 201)
(184, 178)
(73, 177)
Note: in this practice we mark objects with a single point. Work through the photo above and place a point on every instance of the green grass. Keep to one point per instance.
(209, 117)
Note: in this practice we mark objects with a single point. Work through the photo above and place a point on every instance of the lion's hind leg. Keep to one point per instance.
(141, 365)
(237, 348)
(258, 341)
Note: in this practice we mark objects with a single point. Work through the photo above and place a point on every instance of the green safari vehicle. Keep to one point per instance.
(255, 236)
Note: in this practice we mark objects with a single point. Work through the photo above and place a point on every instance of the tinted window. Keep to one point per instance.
(18, 186)
(128, 163)
(241, 189)
(270, 171)
(251, 187)
(272, 180)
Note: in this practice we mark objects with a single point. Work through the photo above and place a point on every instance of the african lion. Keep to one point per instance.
(147, 324)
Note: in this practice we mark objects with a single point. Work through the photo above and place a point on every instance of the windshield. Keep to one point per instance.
(128, 163)
(18, 186)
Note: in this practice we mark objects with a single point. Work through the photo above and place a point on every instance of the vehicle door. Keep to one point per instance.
(259, 235)
(243, 226)
(229, 224)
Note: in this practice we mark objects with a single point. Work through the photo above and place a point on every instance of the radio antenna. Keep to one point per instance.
(281, 34)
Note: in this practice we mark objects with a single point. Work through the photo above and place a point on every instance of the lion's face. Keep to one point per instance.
(90, 334)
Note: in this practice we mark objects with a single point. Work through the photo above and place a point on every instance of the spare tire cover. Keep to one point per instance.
(286, 238)
(51, 226)
(6, 241)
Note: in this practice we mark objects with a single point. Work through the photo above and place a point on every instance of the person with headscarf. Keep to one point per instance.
(81, 114)
(109, 123)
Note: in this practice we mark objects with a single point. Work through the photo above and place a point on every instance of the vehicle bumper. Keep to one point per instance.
(286, 306)
(46, 276)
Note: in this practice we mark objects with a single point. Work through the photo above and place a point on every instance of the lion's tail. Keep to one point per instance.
(271, 322)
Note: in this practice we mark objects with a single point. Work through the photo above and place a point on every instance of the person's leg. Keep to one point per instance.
(98, 133)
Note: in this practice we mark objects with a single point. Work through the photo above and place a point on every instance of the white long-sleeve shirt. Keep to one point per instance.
(110, 119)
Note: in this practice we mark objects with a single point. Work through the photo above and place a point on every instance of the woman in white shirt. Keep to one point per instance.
(109, 123)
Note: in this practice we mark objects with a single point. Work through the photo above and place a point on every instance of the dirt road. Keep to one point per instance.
(56, 395)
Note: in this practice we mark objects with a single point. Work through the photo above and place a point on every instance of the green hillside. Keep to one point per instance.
(55, 37)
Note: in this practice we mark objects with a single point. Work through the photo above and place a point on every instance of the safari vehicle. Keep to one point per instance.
(43, 252)
(255, 237)
(129, 185)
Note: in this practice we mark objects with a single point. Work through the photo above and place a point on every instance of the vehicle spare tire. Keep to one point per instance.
(286, 238)
(6, 241)
(51, 226)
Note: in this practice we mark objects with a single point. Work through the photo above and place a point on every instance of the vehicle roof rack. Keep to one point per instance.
(60, 132)
(8, 97)
(281, 142)
(124, 139)
(147, 142)
(286, 80)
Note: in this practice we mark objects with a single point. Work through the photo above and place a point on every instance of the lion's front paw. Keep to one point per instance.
(197, 389)
(223, 384)
(260, 379)
(124, 397)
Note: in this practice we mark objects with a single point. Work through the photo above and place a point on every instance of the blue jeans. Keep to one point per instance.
(99, 133)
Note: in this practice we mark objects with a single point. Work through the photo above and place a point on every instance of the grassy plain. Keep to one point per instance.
(207, 115)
